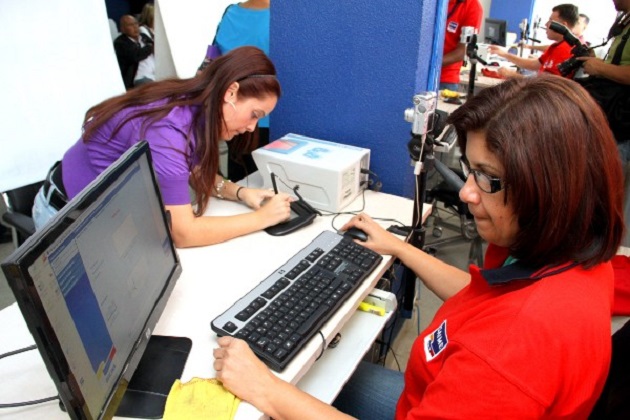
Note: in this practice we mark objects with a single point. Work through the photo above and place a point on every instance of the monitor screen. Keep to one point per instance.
(495, 32)
(93, 282)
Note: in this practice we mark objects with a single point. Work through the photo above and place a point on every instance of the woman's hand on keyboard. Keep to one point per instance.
(241, 372)
(379, 240)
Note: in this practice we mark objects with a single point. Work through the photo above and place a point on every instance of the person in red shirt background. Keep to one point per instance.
(461, 14)
(556, 53)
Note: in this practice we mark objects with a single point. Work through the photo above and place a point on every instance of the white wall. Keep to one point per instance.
(57, 61)
(183, 30)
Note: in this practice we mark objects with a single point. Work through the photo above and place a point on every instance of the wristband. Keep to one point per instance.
(238, 191)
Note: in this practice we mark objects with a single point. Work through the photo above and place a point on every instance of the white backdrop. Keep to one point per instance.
(57, 61)
(183, 30)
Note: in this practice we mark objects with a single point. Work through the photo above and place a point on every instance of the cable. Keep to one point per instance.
(323, 345)
(24, 403)
(395, 359)
(11, 353)
(325, 213)
(375, 182)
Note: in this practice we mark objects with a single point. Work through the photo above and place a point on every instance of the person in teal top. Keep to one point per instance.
(245, 23)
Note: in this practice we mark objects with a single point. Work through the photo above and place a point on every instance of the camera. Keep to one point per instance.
(421, 115)
(579, 50)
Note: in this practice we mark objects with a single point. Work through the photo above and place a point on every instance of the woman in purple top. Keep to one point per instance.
(183, 120)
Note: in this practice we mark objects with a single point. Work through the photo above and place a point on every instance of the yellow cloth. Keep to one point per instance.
(200, 399)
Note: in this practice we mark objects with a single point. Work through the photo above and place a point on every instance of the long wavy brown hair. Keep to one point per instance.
(206, 91)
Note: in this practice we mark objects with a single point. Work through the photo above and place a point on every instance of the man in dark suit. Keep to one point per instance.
(131, 48)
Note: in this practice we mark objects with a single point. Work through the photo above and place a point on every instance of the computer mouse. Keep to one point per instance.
(356, 233)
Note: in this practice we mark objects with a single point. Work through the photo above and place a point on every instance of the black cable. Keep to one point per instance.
(375, 181)
(395, 359)
(24, 403)
(11, 353)
(353, 212)
(323, 345)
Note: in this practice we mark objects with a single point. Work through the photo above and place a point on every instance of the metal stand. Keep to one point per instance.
(417, 235)
(427, 125)
(421, 116)
(471, 53)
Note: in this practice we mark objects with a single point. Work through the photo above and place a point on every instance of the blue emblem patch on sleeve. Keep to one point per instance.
(435, 342)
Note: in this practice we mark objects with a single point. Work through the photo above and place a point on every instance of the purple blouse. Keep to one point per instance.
(167, 140)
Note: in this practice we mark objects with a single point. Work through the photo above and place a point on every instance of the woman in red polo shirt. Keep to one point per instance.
(527, 335)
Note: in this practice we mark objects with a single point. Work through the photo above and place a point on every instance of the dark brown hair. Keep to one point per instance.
(562, 168)
(567, 12)
(207, 91)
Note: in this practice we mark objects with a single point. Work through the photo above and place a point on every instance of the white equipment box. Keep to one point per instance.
(328, 174)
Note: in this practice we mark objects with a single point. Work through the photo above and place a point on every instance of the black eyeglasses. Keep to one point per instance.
(485, 182)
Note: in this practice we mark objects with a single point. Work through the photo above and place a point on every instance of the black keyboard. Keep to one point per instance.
(280, 315)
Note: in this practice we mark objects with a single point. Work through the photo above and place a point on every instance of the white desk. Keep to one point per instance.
(213, 278)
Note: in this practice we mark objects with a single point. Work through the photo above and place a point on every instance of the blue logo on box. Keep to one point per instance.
(315, 153)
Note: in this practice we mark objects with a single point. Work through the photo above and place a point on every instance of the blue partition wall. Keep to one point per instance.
(513, 12)
(348, 70)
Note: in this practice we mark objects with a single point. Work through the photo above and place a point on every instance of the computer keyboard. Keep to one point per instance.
(280, 315)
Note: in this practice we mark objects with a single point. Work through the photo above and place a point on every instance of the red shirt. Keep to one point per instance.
(514, 343)
(466, 13)
(557, 53)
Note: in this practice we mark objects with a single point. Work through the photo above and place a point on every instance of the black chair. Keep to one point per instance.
(19, 216)
(614, 402)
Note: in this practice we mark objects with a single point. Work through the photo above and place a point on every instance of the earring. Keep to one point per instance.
(232, 103)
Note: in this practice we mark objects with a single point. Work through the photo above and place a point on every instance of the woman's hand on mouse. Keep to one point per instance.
(379, 240)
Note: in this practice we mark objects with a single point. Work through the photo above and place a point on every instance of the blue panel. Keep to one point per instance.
(348, 70)
(513, 12)
(438, 45)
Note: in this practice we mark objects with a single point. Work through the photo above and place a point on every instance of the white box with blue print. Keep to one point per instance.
(328, 174)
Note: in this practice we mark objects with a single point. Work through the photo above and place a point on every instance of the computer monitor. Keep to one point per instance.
(93, 282)
(495, 31)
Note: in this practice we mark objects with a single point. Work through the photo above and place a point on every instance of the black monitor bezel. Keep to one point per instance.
(503, 30)
(16, 266)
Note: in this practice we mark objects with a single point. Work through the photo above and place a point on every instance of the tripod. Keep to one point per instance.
(427, 125)
(471, 53)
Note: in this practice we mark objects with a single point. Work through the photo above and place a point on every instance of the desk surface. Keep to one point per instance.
(213, 278)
